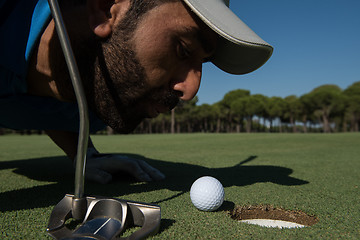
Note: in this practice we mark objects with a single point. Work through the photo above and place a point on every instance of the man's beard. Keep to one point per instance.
(115, 83)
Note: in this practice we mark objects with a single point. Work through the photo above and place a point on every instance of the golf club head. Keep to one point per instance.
(106, 218)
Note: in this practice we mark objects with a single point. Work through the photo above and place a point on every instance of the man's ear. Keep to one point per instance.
(103, 14)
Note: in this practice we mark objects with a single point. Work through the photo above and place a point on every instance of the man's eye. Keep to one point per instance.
(182, 51)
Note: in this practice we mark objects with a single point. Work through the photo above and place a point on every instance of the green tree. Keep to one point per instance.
(184, 115)
(326, 101)
(237, 110)
(352, 105)
(248, 107)
(274, 109)
(305, 111)
(226, 103)
(261, 110)
(292, 109)
(220, 115)
(203, 117)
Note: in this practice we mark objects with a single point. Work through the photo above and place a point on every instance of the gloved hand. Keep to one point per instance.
(100, 167)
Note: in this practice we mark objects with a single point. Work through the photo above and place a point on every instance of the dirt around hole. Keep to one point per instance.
(270, 212)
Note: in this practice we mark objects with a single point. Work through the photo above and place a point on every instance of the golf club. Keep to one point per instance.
(102, 218)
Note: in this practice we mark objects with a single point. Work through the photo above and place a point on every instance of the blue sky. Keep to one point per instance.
(315, 42)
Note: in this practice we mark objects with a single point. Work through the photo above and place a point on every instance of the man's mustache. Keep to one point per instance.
(171, 99)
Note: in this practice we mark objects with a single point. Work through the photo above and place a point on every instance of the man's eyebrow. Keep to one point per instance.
(198, 34)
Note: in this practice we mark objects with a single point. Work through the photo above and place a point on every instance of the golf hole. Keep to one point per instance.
(269, 216)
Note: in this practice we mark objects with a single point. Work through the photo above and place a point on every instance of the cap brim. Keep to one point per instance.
(240, 50)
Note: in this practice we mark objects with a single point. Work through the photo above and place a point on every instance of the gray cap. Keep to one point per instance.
(239, 50)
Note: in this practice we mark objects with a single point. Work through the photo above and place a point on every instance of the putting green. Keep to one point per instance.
(313, 173)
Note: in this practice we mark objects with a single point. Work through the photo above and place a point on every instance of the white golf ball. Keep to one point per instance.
(207, 193)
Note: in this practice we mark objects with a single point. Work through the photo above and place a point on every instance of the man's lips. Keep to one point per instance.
(156, 105)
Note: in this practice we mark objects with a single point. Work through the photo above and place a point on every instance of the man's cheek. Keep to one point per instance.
(160, 71)
(157, 78)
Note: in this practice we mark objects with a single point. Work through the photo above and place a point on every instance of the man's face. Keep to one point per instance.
(147, 71)
(169, 44)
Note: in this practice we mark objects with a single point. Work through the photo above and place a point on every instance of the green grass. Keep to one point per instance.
(315, 173)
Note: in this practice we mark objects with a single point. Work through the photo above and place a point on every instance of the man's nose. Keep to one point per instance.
(190, 84)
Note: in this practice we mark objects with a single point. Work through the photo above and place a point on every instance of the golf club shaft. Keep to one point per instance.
(80, 97)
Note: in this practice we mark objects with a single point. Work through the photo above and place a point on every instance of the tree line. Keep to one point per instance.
(326, 108)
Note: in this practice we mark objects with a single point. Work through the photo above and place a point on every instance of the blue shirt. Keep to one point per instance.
(22, 23)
